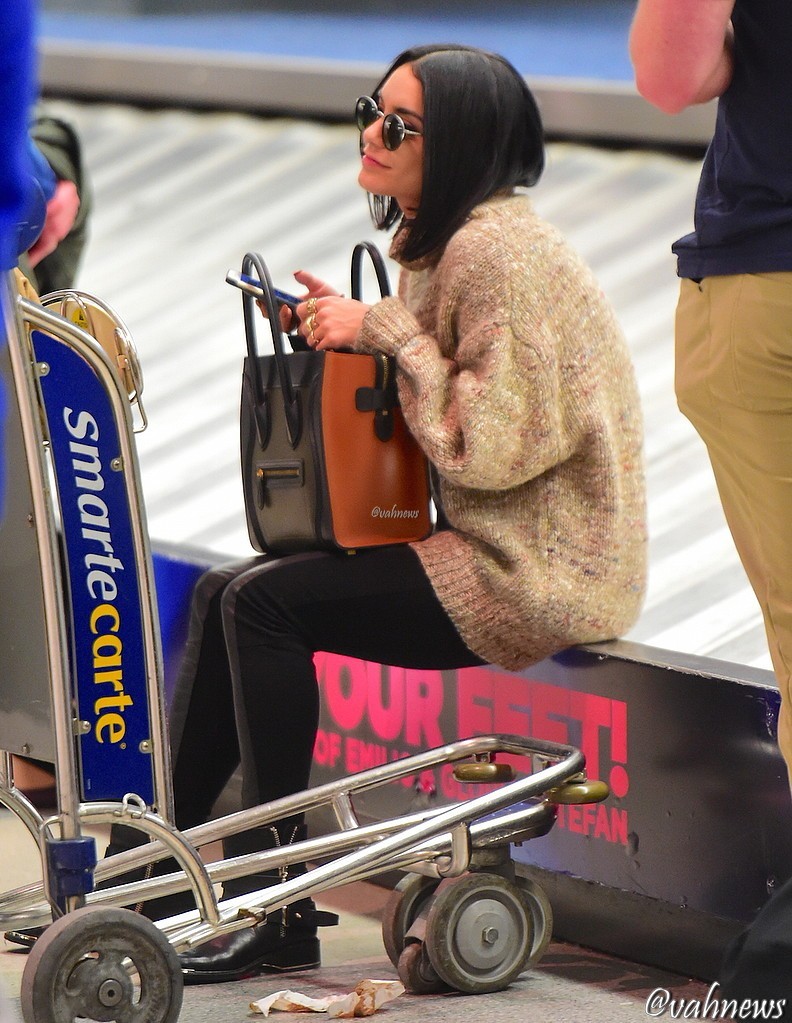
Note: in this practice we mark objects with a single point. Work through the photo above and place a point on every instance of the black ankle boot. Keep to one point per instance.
(285, 942)
(123, 838)
(24, 939)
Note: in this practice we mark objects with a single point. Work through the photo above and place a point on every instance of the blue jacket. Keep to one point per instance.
(17, 92)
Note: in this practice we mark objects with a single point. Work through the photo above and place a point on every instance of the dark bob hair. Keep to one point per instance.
(482, 135)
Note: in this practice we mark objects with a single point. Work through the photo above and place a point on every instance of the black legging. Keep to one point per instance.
(248, 690)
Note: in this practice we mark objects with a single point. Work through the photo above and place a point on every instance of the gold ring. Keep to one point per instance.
(311, 306)
(310, 323)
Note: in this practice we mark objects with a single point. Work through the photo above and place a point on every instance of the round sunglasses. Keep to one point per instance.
(394, 130)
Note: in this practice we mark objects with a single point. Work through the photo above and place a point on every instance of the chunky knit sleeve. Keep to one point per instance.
(481, 390)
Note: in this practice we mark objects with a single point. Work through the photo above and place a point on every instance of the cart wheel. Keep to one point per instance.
(486, 771)
(579, 789)
(404, 904)
(541, 917)
(479, 933)
(416, 971)
(105, 965)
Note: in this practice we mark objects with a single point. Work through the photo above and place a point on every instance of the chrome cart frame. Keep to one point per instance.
(457, 856)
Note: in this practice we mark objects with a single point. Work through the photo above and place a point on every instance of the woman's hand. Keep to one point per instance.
(290, 321)
(324, 318)
(331, 322)
(327, 319)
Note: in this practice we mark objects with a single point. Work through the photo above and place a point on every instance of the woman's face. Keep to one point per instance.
(397, 172)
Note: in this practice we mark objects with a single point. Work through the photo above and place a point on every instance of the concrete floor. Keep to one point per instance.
(569, 985)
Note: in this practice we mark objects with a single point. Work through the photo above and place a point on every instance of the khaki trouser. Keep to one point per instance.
(734, 383)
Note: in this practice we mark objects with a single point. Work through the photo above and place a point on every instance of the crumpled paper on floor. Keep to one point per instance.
(367, 997)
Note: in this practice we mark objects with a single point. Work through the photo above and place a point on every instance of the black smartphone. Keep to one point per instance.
(253, 287)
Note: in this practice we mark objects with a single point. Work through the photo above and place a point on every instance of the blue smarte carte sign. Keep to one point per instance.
(106, 633)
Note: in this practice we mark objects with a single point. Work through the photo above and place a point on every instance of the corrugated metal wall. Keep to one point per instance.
(180, 196)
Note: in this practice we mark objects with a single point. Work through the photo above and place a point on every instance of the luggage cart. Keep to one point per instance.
(459, 919)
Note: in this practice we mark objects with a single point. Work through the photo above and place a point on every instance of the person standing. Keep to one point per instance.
(734, 316)
(734, 339)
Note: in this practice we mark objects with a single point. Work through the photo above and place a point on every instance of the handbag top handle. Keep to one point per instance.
(291, 399)
(356, 289)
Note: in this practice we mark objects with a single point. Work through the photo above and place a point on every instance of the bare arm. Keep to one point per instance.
(682, 51)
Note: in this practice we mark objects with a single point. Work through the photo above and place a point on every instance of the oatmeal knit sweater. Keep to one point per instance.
(515, 379)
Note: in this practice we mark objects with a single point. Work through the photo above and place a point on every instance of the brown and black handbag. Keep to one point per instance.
(327, 460)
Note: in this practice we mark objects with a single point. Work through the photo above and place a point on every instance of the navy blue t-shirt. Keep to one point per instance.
(743, 216)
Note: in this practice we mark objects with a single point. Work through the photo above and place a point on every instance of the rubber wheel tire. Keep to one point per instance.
(417, 973)
(404, 904)
(479, 932)
(102, 964)
(542, 916)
